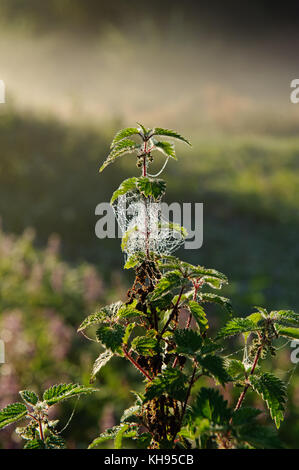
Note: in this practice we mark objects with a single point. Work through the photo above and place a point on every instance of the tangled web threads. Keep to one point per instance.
(144, 228)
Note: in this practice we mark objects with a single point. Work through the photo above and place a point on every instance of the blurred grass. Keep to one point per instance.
(49, 181)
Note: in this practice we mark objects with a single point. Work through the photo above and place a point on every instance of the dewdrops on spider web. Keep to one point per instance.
(143, 226)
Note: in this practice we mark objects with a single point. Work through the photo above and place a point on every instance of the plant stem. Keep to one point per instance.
(189, 390)
(173, 311)
(33, 417)
(144, 159)
(196, 287)
(41, 429)
(146, 227)
(144, 174)
(242, 396)
(130, 358)
(191, 383)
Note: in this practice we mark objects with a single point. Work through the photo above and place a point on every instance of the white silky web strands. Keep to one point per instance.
(134, 213)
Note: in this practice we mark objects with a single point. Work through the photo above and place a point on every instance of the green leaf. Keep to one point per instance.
(213, 282)
(285, 317)
(260, 437)
(134, 260)
(60, 392)
(111, 336)
(169, 281)
(143, 130)
(288, 332)
(210, 346)
(123, 133)
(151, 187)
(126, 145)
(112, 433)
(100, 362)
(244, 415)
(27, 432)
(188, 341)
(12, 413)
(273, 392)
(126, 237)
(128, 332)
(123, 147)
(105, 436)
(210, 276)
(107, 313)
(237, 325)
(163, 304)
(172, 227)
(169, 133)
(214, 366)
(235, 368)
(169, 262)
(119, 436)
(263, 311)
(127, 311)
(132, 415)
(165, 147)
(206, 274)
(139, 397)
(257, 318)
(144, 345)
(29, 397)
(170, 381)
(223, 301)
(210, 404)
(35, 444)
(127, 185)
(55, 441)
(199, 315)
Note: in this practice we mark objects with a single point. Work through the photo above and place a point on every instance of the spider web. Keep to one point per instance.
(143, 225)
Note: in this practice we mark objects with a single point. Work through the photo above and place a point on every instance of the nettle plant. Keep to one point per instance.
(40, 432)
(162, 329)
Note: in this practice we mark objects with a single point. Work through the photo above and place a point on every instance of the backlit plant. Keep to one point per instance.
(162, 329)
(40, 431)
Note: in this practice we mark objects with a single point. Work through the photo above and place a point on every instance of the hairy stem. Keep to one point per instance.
(191, 383)
(173, 312)
(144, 166)
(196, 287)
(144, 174)
(41, 429)
(242, 396)
(189, 390)
(146, 227)
(130, 358)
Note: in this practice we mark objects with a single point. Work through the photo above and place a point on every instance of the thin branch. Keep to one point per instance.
(196, 285)
(173, 311)
(41, 429)
(130, 358)
(33, 417)
(189, 391)
(191, 383)
(242, 396)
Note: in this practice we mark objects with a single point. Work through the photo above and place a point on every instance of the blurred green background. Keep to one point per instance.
(75, 72)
